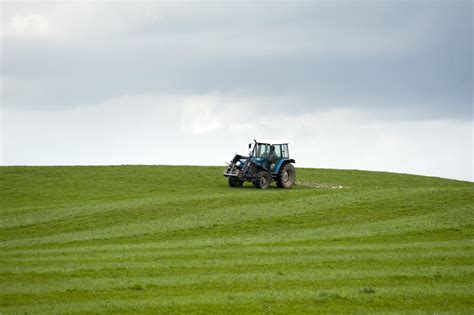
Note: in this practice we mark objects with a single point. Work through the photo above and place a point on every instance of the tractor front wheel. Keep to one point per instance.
(262, 180)
(286, 177)
(235, 182)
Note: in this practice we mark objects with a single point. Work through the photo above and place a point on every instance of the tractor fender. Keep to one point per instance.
(281, 163)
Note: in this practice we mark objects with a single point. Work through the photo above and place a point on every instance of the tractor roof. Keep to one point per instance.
(271, 142)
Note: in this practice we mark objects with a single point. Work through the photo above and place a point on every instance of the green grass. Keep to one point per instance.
(164, 239)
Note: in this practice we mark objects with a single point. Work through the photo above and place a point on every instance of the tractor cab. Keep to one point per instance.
(266, 162)
(268, 155)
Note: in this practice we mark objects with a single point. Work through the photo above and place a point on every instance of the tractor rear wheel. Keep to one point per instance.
(286, 177)
(262, 180)
(235, 182)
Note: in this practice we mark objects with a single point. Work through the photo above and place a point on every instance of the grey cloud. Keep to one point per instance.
(364, 54)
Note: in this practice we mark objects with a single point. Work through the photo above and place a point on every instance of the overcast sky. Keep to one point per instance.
(356, 85)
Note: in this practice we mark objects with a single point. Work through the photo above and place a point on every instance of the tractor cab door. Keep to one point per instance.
(260, 157)
(275, 155)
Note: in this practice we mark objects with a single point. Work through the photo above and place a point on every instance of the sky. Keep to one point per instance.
(373, 85)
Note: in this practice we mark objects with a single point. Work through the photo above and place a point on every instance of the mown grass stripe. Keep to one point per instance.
(361, 245)
(176, 276)
(348, 296)
(235, 253)
(224, 262)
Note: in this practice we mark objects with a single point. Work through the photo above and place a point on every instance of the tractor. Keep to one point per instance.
(266, 163)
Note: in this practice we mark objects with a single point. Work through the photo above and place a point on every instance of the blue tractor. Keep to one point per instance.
(266, 163)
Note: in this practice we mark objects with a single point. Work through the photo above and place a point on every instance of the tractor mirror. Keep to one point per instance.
(250, 145)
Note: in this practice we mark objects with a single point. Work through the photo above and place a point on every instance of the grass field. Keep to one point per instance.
(163, 239)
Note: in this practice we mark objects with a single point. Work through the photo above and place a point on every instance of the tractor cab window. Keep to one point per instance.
(284, 151)
(277, 150)
(262, 150)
